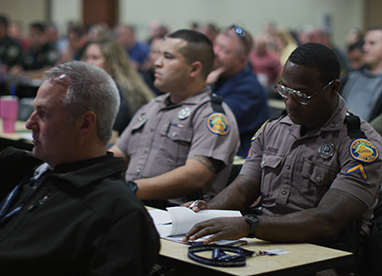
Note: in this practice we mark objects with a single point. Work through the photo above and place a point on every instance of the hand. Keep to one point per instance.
(214, 75)
(196, 205)
(225, 228)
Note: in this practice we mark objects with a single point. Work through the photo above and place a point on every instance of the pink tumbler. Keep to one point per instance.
(8, 112)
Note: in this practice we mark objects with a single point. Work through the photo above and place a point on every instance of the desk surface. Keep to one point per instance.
(303, 259)
(21, 132)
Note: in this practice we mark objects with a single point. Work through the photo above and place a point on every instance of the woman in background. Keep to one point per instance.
(112, 57)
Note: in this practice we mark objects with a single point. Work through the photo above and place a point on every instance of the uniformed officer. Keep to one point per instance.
(40, 57)
(317, 167)
(10, 50)
(181, 145)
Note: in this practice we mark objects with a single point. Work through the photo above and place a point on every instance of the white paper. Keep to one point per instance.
(182, 219)
(160, 216)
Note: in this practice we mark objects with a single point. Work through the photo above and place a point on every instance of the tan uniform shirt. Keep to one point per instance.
(295, 172)
(161, 136)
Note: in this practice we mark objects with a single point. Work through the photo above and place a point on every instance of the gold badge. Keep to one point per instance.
(363, 150)
(218, 124)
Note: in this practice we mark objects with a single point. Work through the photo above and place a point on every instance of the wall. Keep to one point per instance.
(251, 14)
(178, 14)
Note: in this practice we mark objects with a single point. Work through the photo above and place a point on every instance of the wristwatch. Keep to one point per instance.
(133, 186)
(253, 222)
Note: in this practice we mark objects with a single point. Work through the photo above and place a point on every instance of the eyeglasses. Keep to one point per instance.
(302, 98)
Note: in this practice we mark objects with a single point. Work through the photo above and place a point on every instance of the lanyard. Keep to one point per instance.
(7, 202)
(219, 257)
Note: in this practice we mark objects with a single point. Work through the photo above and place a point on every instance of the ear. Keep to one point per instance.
(335, 87)
(196, 68)
(88, 123)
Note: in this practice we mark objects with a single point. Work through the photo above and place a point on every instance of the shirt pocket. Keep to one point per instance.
(318, 173)
(177, 141)
(135, 140)
(271, 169)
(316, 181)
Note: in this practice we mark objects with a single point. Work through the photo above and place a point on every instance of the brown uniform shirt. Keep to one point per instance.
(295, 172)
(162, 135)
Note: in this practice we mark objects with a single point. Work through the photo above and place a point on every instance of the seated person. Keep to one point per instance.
(40, 57)
(233, 80)
(66, 209)
(317, 167)
(180, 145)
(133, 91)
(361, 88)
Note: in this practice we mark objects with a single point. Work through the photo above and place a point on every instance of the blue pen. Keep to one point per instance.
(13, 89)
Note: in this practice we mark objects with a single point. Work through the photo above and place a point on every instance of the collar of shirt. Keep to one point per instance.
(73, 166)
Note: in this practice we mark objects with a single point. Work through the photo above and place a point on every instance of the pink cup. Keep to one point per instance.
(8, 112)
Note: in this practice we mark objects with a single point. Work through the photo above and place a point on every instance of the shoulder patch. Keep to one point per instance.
(363, 150)
(217, 123)
(259, 131)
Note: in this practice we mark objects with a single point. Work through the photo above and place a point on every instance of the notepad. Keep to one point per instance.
(174, 223)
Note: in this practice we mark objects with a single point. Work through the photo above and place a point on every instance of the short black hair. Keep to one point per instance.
(355, 46)
(198, 48)
(317, 56)
(40, 27)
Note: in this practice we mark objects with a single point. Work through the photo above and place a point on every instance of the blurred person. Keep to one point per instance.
(99, 31)
(353, 36)
(109, 55)
(10, 49)
(155, 29)
(149, 66)
(66, 208)
(362, 88)
(15, 31)
(137, 51)
(285, 44)
(209, 30)
(40, 57)
(355, 55)
(320, 35)
(181, 144)
(265, 64)
(77, 39)
(233, 80)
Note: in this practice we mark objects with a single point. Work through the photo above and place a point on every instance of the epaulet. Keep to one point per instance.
(354, 126)
(216, 102)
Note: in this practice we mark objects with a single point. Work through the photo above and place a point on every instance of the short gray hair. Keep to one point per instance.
(89, 88)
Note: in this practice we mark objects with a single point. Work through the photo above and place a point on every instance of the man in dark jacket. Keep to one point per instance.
(66, 209)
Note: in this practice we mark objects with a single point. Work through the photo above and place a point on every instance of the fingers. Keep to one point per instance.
(196, 205)
(202, 229)
(219, 228)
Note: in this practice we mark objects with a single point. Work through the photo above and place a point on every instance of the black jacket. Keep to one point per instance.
(85, 222)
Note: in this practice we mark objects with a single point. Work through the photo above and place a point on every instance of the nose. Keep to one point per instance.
(31, 122)
(291, 102)
(158, 62)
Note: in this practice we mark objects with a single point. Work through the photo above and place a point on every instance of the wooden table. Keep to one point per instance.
(303, 259)
(17, 139)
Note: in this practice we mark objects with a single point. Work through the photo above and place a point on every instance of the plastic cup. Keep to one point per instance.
(8, 112)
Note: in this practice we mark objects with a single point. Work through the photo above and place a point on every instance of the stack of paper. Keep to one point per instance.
(174, 223)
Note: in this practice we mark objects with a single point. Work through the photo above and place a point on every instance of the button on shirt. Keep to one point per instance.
(294, 175)
(162, 135)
